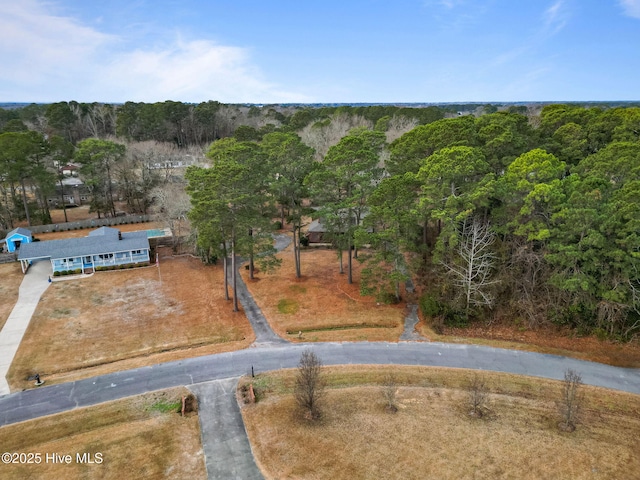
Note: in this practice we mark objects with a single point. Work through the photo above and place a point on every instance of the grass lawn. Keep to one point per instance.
(138, 437)
(432, 434)
(128, 318)
(10, 280)
(322, 305)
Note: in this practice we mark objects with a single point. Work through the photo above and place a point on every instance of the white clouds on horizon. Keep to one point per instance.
(631, 8)
(52, 58)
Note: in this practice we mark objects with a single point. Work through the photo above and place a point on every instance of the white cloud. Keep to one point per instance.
(631, 7)
(190, 71)
(555, 17)
(46, 57)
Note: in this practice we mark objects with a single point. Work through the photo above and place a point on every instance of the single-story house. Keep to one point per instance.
(103, 248)
(17, 237)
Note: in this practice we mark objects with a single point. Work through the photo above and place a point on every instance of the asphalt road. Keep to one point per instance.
(51, 399)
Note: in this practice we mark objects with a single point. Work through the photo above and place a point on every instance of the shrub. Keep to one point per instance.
(304, 241)
(56, 274)
(277, 225)
(429, 306)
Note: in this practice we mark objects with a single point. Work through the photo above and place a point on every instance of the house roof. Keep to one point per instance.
(20, 231)
(100, 243)
(104, 231)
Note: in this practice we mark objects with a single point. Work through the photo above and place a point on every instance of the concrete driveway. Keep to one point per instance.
(33, 285)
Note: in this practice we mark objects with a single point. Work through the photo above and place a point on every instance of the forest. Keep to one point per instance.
(497, 214)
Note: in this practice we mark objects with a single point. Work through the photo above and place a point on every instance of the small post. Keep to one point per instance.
(252, 375)
(38, 381)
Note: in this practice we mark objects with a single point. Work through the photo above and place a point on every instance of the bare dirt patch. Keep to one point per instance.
(10, 280)
(322, 305)
(432, 434)
(138, 437)
(124, 319)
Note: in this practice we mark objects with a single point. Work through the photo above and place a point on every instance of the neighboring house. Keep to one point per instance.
(316, 232)
(75, 193)
(17, 237)
(104, 248)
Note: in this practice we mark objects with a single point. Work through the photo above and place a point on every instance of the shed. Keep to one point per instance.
(17, 237)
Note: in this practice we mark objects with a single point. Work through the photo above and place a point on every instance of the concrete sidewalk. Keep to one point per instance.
(224, 439)
(33, 285)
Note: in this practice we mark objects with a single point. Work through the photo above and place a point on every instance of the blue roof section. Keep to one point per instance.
(91, 245)
(20, 231)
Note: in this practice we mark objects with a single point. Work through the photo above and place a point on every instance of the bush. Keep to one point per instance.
(56, 274)
(277, 225)
(429, 306)
(388, 298)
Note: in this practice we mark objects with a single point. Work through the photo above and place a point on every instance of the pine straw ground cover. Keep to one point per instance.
(138, 437)
(432, 434)
(321, 304)
(10, 280)
(122, 319)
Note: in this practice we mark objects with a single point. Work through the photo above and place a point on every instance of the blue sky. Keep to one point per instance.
(310, 51)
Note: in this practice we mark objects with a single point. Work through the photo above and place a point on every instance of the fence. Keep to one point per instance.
(8, 257)
(92, 223)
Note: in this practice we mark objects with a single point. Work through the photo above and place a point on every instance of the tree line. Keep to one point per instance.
(532, 219)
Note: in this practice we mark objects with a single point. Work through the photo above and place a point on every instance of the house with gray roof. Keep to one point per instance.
(104, 248)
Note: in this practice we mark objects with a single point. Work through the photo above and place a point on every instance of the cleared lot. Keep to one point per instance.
(322, 305)
(432, 434)
(125, 319)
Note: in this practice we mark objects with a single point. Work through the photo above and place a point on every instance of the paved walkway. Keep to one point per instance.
(33, 285)
(410, 322)
(226, 446)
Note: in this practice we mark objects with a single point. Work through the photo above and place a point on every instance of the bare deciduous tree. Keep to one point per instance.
(309, 388)
(477, 395)
(571, 401)
(398, 126)
(324, 134)
(389, 393)
(472, 272)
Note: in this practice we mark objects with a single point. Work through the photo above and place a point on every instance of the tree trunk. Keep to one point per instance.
(341, 267)
(350, 263)
(226, 278)
(233, 271)
(24, 201)
(64, 207)
(296, 249)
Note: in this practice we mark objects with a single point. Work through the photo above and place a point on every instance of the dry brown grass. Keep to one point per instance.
(135, 438)
(10, 280)
(124, 319)
(432, 434)
(322, 304)
(544, 340)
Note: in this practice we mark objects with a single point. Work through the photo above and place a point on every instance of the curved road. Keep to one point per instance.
(58, 398)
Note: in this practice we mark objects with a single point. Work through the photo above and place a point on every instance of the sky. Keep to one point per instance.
(309, 51)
